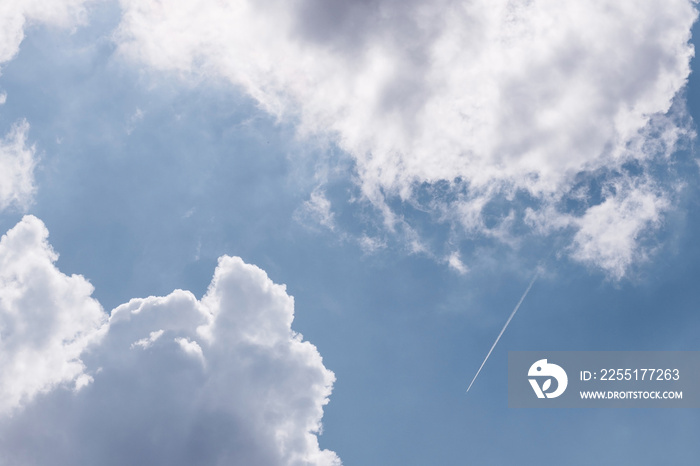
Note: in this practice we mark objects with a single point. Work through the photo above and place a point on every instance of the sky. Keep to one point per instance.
(288, 232)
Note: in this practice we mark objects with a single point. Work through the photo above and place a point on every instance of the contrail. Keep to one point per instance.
(517, 306)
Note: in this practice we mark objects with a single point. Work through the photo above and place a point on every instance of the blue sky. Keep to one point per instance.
(402, 169)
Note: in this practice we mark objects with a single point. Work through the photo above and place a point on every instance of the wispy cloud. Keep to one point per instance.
(17, 163)
(317, 211)
(455, 262)
(17, 158)
(15, 16)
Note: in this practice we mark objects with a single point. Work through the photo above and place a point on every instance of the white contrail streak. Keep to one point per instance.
(517, 306)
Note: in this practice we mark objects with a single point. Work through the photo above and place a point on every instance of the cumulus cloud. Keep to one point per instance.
(166, 380)
(47, 319)
(497, 98)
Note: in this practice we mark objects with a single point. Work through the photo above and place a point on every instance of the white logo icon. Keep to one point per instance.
(543, 369)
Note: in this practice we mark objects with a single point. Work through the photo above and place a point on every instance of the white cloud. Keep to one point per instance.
(371, 244)
(496, 97)
(317, 210)
(47, 319)
(17, 162)
(16, 15)
(191, 347)
(607, 235)
(135, 119)
(148, 341)
(609, 232)
(169, 380)
(455, 262)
